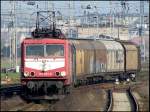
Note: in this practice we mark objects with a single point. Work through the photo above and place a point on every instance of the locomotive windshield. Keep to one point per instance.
(45, 50)
(55, 50)
(35, 50)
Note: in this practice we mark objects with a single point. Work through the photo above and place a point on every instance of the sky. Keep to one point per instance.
(24, 12)
(62, 6)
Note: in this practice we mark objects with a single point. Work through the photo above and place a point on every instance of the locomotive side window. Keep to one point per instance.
(55, 50)
(35, 50)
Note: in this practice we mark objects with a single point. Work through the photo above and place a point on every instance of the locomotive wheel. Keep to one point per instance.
(133, 79)
(117, 81)
(67, 89)
(78, 83)
(61, 91)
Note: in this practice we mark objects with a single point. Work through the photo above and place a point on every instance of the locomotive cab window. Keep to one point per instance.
(35, 50)
(54, 50)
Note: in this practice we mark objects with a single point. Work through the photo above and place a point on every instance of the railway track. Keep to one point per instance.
(121, 100)
(16, 88)
(116, 92)
(110, 86)
(31, 107)
(127, 103)
(23, 106)
(10, 90)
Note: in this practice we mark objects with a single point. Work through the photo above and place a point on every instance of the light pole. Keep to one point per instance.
(13, 39)
(113, 22)
(110, 18)
(10, 43)
(141, 29)
(69, 31)
(31, 3)
(87, 20)
(97, 20)
(86, 12)
(118, 19)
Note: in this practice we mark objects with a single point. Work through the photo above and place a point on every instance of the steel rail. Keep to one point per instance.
(109, 102)
(135, 106)
(132, 99)
(9, 90)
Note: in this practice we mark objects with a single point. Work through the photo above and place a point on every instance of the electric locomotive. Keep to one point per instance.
(51, 62)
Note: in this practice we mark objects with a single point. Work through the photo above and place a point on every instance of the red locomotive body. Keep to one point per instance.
(44, 63)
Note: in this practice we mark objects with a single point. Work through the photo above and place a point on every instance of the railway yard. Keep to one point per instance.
(96, 97)
(75, 56)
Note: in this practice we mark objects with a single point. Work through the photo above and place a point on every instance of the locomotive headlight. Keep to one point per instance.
(26, 74)
(133, 75)
(63, 73)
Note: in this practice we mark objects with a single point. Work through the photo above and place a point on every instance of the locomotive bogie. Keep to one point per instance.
(37, 87)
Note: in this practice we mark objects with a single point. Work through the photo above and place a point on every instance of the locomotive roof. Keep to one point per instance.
(28, 38)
